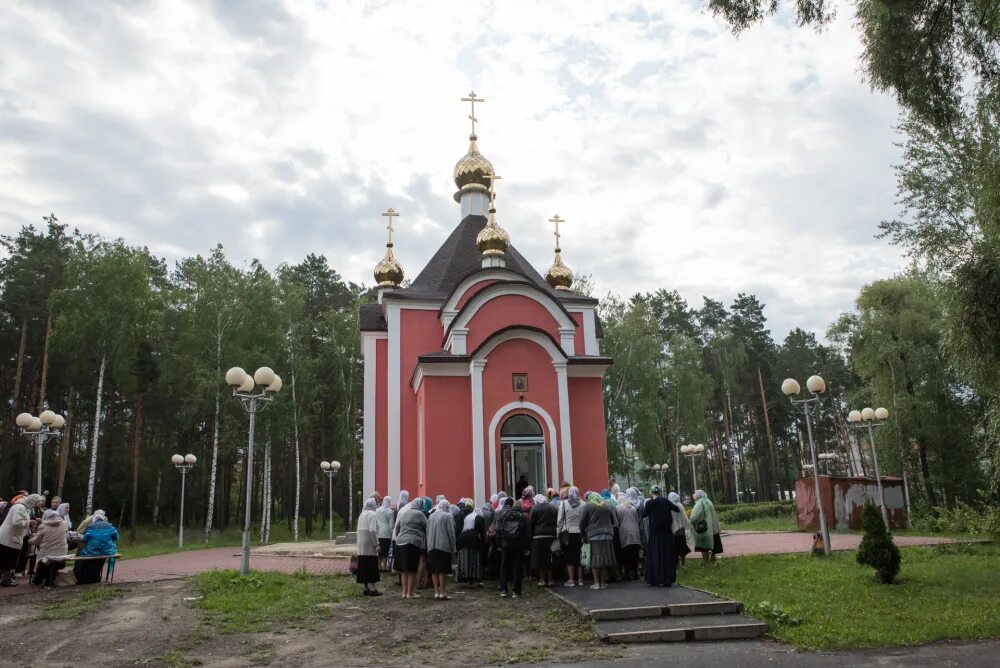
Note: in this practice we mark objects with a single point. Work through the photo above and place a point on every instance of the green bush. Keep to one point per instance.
(746, 512)
(981, 519)
(877, 548)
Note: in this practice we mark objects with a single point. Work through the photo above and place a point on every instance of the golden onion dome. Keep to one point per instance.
(388, 272)
(559, 276)
(473, 167)
(492, 239)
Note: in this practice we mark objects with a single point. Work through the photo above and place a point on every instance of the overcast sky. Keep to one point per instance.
(681, 156)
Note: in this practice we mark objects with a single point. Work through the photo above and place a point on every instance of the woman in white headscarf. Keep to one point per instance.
(471, 540)
(385, 520)
(542, 521)
(441, 547)
(411, 541)
(368, 567)
(568, 528)
(13, 532)
(679, 526)
(629, 536)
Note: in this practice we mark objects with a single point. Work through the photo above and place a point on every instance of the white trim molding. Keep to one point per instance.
(393, 401)
(564, 424)
(369, 351)
(478, 470)
(542, 340)
(425, 370)
(450, 308)
(591, 346)
(552, 447)
(587, 370)
(491, 292)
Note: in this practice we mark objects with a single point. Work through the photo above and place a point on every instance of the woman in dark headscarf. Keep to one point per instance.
(470, 546)
(661, 569)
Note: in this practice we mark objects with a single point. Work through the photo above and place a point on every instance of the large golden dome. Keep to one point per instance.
(388, 272)
(473, 167)
(559, 276)
(492, 239)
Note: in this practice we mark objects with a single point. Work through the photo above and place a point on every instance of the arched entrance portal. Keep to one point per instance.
(522, 451)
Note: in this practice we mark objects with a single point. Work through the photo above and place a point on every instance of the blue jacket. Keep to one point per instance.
(99, 540)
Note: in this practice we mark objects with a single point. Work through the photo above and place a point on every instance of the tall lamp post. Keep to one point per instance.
(868, 418)
(827, 458)
(41, 429)
(330, 469)
(816, 386)
(661, 473)
(692, 451)
(255, 392)
(182, 463)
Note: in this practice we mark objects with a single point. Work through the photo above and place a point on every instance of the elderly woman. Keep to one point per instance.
(385, 519)
(542, 521)
(50, 540)
(99, 541)
(679, 526)
(441, 547)
(13, 531)
(705, 522)
(629, 536)
(63, 512)
(471, 539)
(367, 549)
(597, 525)
(568, 526)
(411, 539)
(513, 534)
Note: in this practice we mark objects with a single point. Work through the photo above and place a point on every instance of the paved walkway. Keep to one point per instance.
(299, 556)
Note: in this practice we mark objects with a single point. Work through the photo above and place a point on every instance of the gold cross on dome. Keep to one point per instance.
(472, 99)
(556, 219)
(492, 179)
(390, 213)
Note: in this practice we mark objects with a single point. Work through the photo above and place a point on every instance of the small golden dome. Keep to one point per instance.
(559, 276)
(388, 272)
(473, 167)
(492, 239)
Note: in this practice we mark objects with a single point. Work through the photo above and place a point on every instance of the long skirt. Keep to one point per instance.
(681, 544)
(439, 562)
(470, 564)
(630, 560)
(602, 554)
(661, 569)
(407, 558)
(541, 553)
(571, 554)
(367, 569)
(88, 572)
(717, 544)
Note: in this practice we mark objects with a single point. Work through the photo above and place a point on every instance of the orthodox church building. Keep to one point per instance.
(481, 374)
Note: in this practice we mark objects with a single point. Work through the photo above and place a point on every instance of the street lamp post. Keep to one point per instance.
(41, 429)
(245, 388)
(827, 458)
(182, 463)
(330, 469)
(661, 474)
(816, 386)
(868, 418)
(692, 451)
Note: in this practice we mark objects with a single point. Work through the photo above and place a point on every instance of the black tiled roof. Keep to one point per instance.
(371, 318)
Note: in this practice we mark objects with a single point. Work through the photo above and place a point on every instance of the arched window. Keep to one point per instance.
(520, 425)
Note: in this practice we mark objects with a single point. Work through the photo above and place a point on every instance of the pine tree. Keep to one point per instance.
(877, 548)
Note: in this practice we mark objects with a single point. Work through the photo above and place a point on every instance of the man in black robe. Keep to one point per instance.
(661, 569)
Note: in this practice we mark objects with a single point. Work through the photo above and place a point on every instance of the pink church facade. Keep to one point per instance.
(481, 372)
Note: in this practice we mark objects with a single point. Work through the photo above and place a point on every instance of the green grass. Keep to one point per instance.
(947, 592)
(151, 541)
(262, 601)
(762, 524)
(91, 598)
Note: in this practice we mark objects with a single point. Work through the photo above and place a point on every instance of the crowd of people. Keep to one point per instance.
(559, 535)
(37, 538)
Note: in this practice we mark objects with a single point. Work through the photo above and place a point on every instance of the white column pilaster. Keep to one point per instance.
(562, 381)
(369, 352)
(478, 469)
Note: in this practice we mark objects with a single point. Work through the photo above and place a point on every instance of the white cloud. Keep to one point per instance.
(681, 156)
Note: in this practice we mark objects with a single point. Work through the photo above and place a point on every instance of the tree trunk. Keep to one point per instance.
(767, 427)
(137, 431)
(11, 435)
(156, 499)
(215, 440)
(45, 364)
(298, 479)
(64, 446)
(92, 478)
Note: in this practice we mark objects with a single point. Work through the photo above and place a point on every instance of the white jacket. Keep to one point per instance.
(15, 526)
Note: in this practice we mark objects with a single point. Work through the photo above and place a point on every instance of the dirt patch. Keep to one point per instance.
(152, 624)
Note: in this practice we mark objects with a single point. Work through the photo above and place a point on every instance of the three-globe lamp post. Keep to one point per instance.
(182, 463)
(330, 469)
(816, 386)
(661, 474)
(869, 418)
(41, 429)
(255, 392)
(692, 451)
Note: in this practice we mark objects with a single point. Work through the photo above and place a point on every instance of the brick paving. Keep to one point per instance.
(182, 564)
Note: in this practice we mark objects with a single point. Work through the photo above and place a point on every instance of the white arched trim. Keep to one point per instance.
(532, 335)
(495, 422)
(459, 327)
(450, 308)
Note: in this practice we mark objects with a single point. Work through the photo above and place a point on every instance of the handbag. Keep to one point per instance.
(585, 555)
(700, 526)
(354, 565)
(556, 548)
(72, 539)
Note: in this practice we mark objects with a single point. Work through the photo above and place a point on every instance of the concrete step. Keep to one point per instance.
(349, 538)
(682, 628)
(719, 607)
